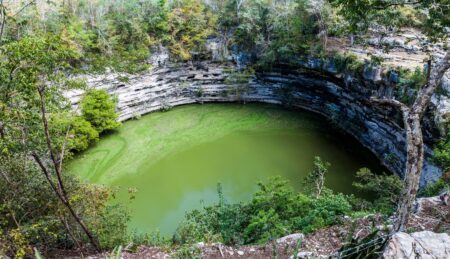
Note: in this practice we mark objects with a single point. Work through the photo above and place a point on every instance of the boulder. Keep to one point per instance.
(290, 239)
(425, 244)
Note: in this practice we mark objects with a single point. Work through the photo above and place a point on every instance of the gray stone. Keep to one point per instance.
(425, 244)
(303, 255)
(290, 239)
(442, 114)
(372, 73)
(200, 245)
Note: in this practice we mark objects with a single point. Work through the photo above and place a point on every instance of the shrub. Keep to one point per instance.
(32, 216)
(348, 62)
(435, 188)
(82, 134)
(384, 188)
(442, 151)
(264, 226)
(275, 210)
(98, 108)
(325, 211)
(277, 194)
(413, 80)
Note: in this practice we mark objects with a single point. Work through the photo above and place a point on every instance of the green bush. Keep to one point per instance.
(274, 210)
(325, 211)
(348, 62)
(442, 151)
(413, 80)
(264, 226)
(384, 188)
(435, 189)
(98, 108)
(82, 134)
(77, 133)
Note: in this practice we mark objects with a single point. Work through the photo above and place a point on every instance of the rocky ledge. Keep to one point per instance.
(326, 242)
(344, 98)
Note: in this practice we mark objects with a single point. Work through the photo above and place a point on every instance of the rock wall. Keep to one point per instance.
(311, 85)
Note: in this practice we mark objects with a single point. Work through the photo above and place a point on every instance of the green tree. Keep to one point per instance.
(80, 133)
(98, 108)
(362, 14)
(32, 82)
(189, 24)
(324, 211)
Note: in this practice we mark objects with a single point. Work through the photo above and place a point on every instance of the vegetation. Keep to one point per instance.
(43, 42)
(442, 158)
(315, 181)
(98, 109)
(121, 34)
(114, 34)
(276, 209)
(384, 188)
(238, 82)
(362, 15)
(442, 151)
(42, 207)
(189, 24)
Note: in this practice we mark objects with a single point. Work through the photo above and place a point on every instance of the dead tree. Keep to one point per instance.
(412, 116)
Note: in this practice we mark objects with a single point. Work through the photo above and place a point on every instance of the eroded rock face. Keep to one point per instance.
(312, 85)
(425, 244)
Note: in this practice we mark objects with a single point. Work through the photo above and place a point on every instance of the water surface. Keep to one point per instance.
(174, 160)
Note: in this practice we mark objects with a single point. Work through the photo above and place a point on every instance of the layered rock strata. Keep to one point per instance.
(312, 85)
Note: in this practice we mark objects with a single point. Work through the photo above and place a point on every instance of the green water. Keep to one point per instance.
(175, 159)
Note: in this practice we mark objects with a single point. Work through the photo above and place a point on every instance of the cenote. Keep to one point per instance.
(174, 159)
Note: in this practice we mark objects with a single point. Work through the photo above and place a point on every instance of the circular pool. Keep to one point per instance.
(172, 161)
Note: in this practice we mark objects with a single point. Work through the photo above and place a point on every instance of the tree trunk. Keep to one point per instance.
(414, 140)
(3, 19)
(59, 189)
(413, 170)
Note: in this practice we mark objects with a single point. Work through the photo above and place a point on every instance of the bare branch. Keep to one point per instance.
(62, 194)
(24, 7)
(46, 174)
